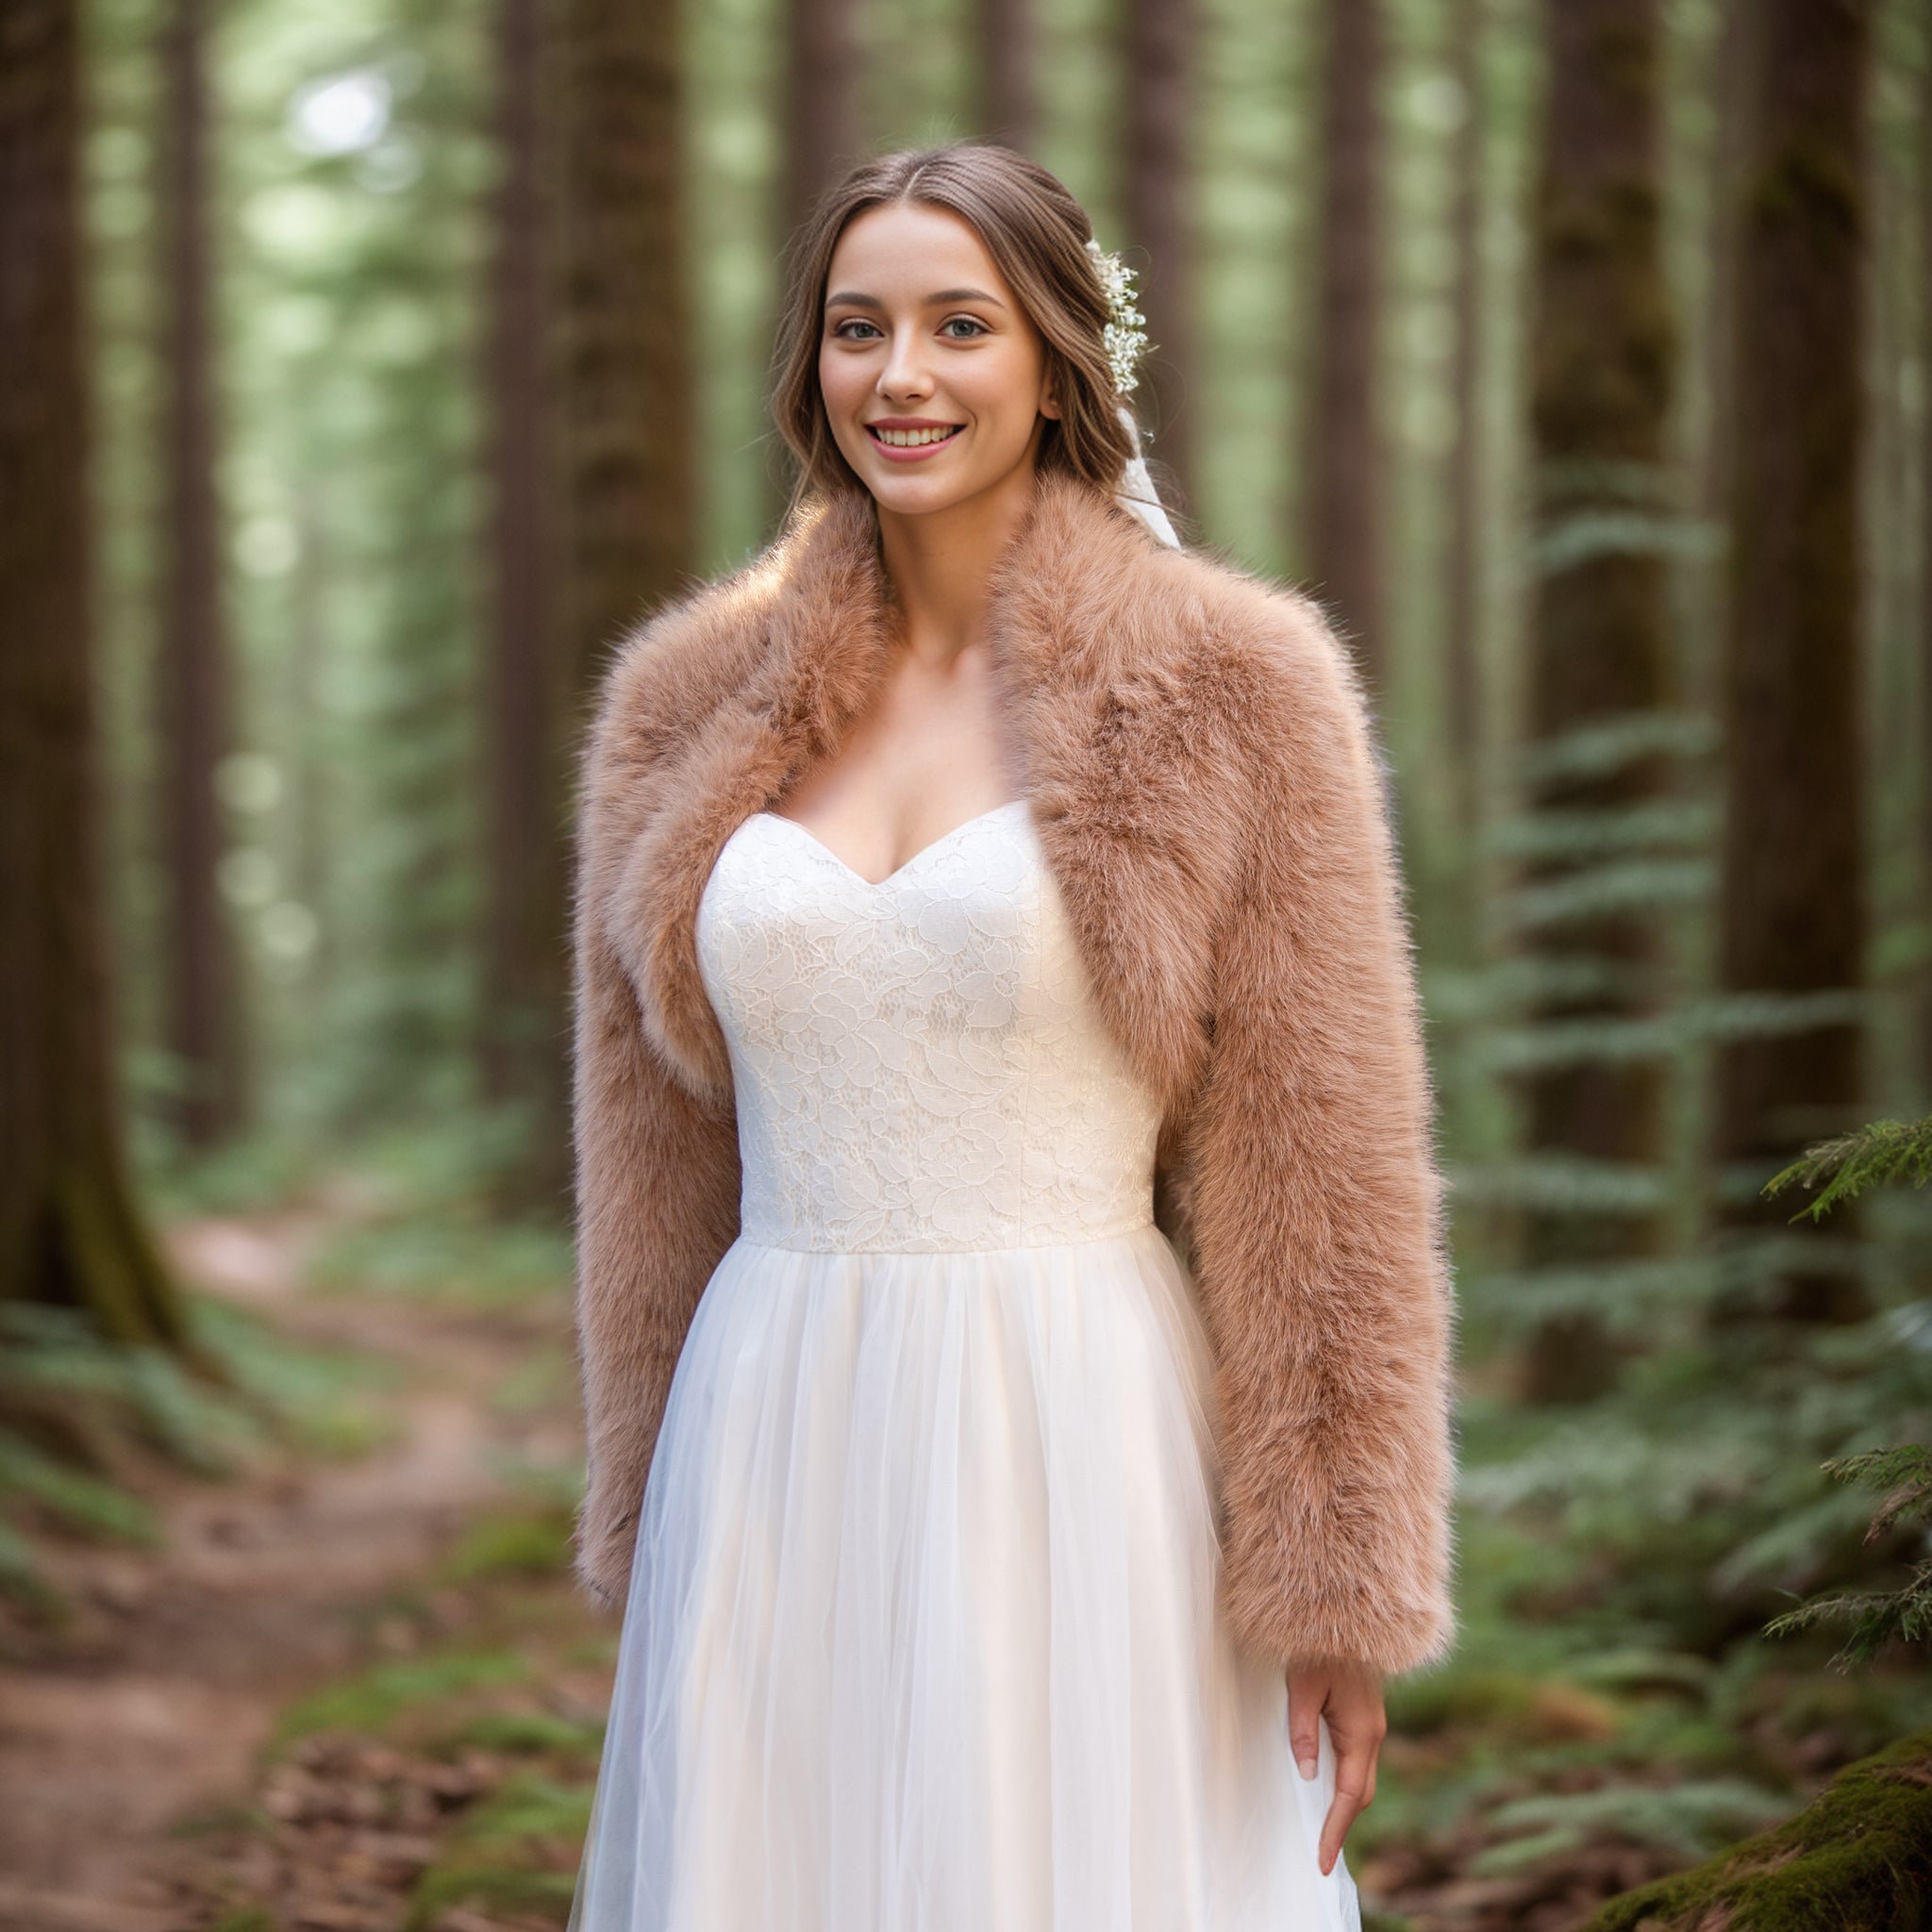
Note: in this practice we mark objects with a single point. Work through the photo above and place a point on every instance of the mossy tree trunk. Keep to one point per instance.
(625, 315)
(1792, 913)
(70, 1231)
(1156, 118)
(1462, 592)
(203, 991)
(1603, 365)
(624, 311)
(530, 678)
(1925, 721)
(1342, 472)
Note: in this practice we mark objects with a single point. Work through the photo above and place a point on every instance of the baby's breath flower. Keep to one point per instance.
(1126, 341)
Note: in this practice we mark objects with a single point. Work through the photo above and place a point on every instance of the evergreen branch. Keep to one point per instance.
(1872, 1156)
(1876, 1617)
(1904, 1470)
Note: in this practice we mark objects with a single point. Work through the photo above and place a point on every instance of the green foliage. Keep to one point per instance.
(246, 1919)
(1692, 1489)
(1859, 1857)
(525, 1544)
(415, 1217)
(517, 1851)
(535, 1732)
(1877, 1155)
(1692, 1818)
(435, 1255)
(378, 1697)
(1874, 1157)
(481, 1881)
(82, 1414)
(75, 1499)
(1879, 1617)
(326, 1401)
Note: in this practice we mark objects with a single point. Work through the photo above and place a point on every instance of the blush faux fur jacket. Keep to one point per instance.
(1200, 768)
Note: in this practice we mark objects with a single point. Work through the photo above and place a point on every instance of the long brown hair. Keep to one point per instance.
(1037, 234)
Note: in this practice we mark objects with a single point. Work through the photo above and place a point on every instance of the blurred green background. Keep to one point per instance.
(371, 367)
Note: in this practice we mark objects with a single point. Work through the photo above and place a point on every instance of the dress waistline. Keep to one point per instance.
(1060, 1238)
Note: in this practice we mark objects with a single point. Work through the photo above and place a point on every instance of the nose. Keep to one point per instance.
(906, 373)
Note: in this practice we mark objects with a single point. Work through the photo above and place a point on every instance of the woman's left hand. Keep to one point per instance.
(1351, 1694)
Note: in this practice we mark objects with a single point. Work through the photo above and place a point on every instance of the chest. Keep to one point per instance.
(918, 1061)
(931, 749)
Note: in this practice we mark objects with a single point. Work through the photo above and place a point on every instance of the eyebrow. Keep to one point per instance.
(851, 298)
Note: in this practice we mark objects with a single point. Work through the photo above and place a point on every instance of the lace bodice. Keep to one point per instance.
(917, 1064)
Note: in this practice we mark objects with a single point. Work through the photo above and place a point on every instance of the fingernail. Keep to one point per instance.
(1308, 1765)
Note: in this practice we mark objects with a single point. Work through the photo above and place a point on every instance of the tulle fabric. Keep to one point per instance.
(922, 1633)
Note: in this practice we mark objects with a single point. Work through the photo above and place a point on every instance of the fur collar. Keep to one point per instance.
(1123, 663)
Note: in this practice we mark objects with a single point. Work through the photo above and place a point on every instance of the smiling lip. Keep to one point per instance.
(900, 455)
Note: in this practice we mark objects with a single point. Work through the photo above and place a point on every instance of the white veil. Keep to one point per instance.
(1136, 491)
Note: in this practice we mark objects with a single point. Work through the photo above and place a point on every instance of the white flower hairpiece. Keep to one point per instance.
(1126, 341)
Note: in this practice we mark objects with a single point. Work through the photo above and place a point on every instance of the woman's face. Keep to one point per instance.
(935, 379)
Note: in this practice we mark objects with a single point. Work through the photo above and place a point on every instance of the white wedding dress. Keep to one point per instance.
(922, 1632)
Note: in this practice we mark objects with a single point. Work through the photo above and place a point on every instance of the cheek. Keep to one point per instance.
(838, 383)
(1003, 387)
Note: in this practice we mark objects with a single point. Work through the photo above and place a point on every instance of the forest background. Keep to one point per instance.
(368, 367)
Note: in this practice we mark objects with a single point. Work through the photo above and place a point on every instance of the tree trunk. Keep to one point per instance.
(1604, 362)
(821, 140)
(1793, 914)
(1343, 475)
(1157, 119)
(628, 490)
(822, 88)
(1008, 101)
(1925, 228)
(528, 694)
(70, 1232)
(202, 1009)
(1463, 593)
(1729, 79)
(630, 436)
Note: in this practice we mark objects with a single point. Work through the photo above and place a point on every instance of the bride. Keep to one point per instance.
(1013, 1300)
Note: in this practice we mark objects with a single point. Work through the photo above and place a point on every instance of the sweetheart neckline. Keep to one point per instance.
(898, 872)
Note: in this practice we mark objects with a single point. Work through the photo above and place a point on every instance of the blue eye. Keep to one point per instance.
(979, 325)
(845, 326)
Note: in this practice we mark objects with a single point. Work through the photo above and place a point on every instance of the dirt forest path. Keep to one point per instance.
(150, 1709)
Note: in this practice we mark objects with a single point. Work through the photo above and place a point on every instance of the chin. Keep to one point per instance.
(921, 496)
(921, 503)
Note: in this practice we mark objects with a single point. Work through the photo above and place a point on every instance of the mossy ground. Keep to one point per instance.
(1857, 1858)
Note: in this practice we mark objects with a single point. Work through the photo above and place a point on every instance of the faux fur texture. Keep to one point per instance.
(1200, 765)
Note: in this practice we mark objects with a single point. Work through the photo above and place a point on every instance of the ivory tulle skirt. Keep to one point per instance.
(922, 1634)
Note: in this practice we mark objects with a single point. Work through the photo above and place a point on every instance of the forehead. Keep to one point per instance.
(906, 249)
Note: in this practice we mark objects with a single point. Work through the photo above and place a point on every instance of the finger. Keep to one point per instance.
(1355, 1771)
(1335, 1828)
(1305, 1696)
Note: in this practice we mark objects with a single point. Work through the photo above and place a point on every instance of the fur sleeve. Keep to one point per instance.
(657, 1170)
(1315, 1202)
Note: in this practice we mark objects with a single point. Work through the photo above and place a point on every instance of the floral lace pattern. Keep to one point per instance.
(917, 1064)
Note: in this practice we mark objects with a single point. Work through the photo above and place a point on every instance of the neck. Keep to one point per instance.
(941, 565)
